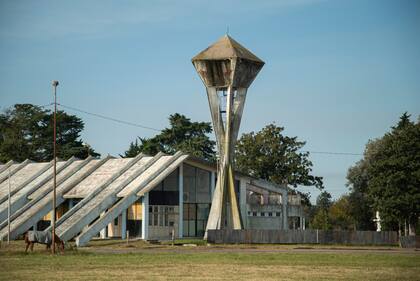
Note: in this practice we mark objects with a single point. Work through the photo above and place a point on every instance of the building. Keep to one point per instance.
(146, 197)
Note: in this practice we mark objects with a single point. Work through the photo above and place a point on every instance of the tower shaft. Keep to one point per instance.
(225, 208)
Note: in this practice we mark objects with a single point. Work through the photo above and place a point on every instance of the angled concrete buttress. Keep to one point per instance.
(20, 198)
(6, 166)
(13, 169)
(43, 200)
(97, 190)
(24, 177)
(89, 209)
(129, 194)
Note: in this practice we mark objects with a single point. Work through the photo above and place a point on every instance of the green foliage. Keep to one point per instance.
(26, 132)
(388, 177)
(323, 201)
(360, 204)
(340, 214)
(321, 220)
(184, 135)
(330, 214)
(270, 155)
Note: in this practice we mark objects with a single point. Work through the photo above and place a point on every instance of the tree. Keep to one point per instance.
(321, 219)
(340, 215)
(360, 204)
(389, 175)
(394, 175)
(26, 132)
(323, 201)
(270, 155)
(184, 135)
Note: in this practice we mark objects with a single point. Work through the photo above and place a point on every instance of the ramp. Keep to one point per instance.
(163, 166)
(91, 207)
(41, 205)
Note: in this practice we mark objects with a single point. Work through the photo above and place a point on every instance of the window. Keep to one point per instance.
(195, 219)
(263, 214)
(270, 214)
(196, 185)
(277, 214)
(162, 215)
(254, 214)
(116, 221)
(166, 192)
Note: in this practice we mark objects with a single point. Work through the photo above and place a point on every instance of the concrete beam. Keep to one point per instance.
(43, 203)
(21, 197)
(14, 170)
(97, 190)
(23, 184)
(42, 191)
(124, 224)
(6, 166)
(86, 211)
(125, 202)
(145, 216)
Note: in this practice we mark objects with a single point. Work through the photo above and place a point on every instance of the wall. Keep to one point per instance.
(264, 217)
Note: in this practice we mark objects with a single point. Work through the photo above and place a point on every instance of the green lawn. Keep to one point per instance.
(202, 262)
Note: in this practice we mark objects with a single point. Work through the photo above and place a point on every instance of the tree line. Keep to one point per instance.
(386, 179)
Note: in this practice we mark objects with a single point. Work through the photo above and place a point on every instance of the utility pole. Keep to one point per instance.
(54, 84)
(8, 213)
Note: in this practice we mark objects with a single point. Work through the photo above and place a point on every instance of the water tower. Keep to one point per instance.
(227, 70)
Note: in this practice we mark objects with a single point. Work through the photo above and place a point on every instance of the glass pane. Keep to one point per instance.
(189, 184)
(192, 212)
(203, 211)
(185, 211)
(171, 182)
(201, 227)
(185, 228)
(191, 227)
(203, 186)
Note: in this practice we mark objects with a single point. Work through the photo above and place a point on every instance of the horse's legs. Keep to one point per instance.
(27, 246)
(32, 246)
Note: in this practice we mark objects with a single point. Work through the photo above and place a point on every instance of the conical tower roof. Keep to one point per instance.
(226, 48)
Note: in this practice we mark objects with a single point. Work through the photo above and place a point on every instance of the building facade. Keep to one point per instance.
(157, 197)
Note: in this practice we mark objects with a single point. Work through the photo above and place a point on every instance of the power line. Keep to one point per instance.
(334, 153)
(109, 118)
(157, 130)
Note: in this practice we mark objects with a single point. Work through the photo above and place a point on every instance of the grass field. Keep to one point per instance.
(118, 261)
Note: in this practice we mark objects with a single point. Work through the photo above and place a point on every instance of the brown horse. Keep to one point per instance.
(32, 237)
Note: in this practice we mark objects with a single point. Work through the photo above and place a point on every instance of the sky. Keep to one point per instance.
(337, 73)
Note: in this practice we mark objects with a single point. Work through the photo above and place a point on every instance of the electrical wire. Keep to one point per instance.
(157, 130)
(109, 118)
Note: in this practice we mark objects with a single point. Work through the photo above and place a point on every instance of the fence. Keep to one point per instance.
(309, 236)
(410, 241)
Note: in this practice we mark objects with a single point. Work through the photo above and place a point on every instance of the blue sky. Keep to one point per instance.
(337, 73)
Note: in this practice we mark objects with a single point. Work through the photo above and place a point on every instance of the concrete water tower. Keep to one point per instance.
(227, 70)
